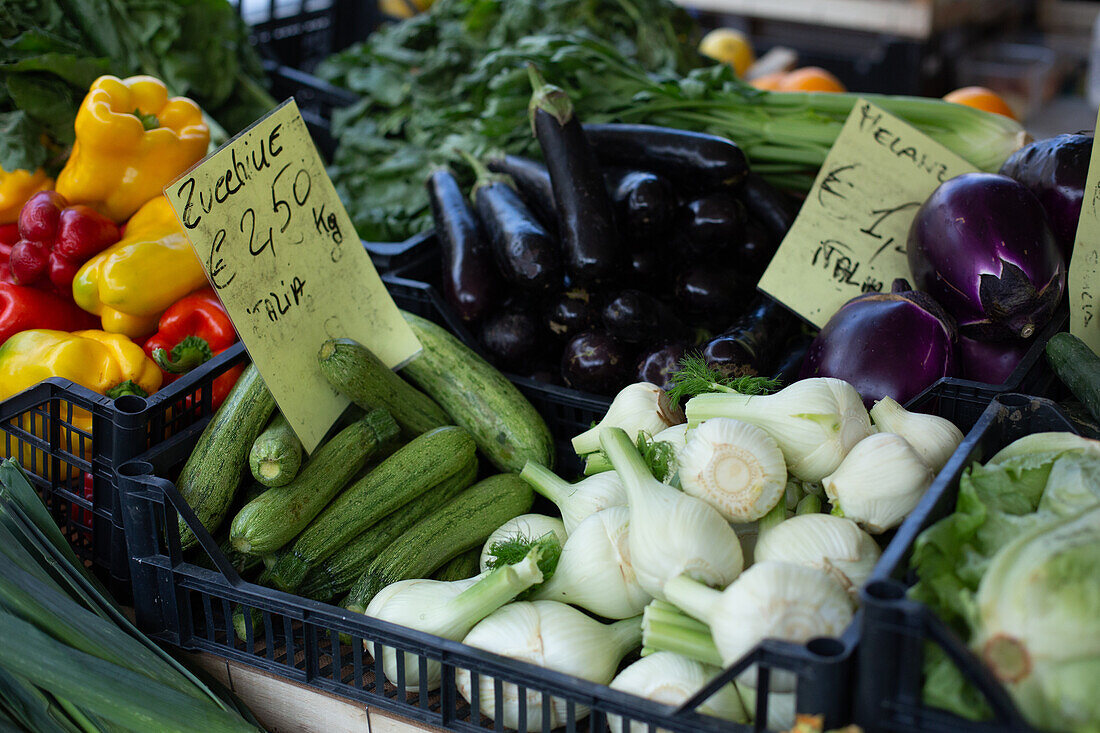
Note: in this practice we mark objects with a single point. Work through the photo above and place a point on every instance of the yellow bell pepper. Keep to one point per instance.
(18, 186)
(131, 141)
(129, 284)
(107, 363)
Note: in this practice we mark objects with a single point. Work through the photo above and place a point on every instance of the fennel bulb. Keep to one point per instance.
(815, 421)
(638, 408)
(932, 437)
(1037, 628)
(770, 600)
(594, 570)
(526, 528)
(735, 467)
(671, 533)
(831, 544)
(551, 635)
(576, 501)
(781, 707)
(879, 482)
(446, 609)
(671, 679)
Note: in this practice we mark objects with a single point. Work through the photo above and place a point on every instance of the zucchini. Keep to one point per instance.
(361, 377)
(276, 516)
(335, 574)
(212, 473)
(408, 473)
(1078, 367)
(276, 455)
(460, 567)
(478, 397)
(465, 522)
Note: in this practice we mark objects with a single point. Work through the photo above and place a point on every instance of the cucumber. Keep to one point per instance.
(275, 517)
(461, 567)
(479, 398)
(212, 474)
(1078, 367)
(360, 376)
(465, 522)
(408, 473)
(335, 574)
(276, 455)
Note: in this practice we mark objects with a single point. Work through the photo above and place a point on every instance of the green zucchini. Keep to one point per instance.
(276, 455)
(276, 516)
(460, 567)
(212, 474)
(479, 398)
(360, 376)
(465, 522)
(413, 469)
(335, 574)
(1078, 367)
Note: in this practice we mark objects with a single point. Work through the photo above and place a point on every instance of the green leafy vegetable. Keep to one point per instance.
(513, 549)
(696, 377)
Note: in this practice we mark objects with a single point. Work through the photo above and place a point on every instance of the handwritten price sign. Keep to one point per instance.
(284, 258)
(1084, 265)
(849, 237)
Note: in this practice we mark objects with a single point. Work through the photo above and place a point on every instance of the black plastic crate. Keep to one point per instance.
(316, 101)
(73, 461)
(301, 33)
(895, 629)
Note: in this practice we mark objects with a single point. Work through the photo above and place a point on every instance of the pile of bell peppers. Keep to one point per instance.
(98, 282)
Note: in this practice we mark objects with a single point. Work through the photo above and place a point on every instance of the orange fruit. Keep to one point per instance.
(981, 98)
(769, 82)
(811, 79)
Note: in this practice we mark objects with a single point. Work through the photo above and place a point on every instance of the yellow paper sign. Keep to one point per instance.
(283, 256)
(1084, 265)
(849, 237)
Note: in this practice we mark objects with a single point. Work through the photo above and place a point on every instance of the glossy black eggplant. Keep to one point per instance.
(773, 209)
(595, 361)
(695, 160)
(533, 183)
(471, 283)
(569, 312)
(750, 346)
(755, 250)
(711, 226)
(645, 270)
(586, 217)
(712, 296)
(791, 358)
(511, 338)
(635, 317)
(658, 365)
(525, 251)
(644, 205)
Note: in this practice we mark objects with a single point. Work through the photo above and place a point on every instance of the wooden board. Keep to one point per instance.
(282, 706)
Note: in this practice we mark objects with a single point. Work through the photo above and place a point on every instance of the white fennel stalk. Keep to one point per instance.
(824, 542)
(576, 501)
(527, 528)
(637, 408)
(879, 482)
(933, 438)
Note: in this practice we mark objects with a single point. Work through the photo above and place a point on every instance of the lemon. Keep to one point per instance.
(730, 47)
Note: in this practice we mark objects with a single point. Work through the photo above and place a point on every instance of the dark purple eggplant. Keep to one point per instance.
(570, 312)
(596, 361)
(635, 317)
(710, 226)
(525, 252)
(644, 205)
(658, 365)
(533, 183)
(645, 270)
(980, 246)
(712, 296)
(693, 160)
(893, 344)
(586, 217)
(791, 358)
(755, 250)
(470, 279)
(768, 205)
(1054, 170)
(511, 337)
(991, 362)
(751, 345)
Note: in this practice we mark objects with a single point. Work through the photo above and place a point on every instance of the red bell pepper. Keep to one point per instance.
(56, 239)
(23, 308)
(193, 330)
